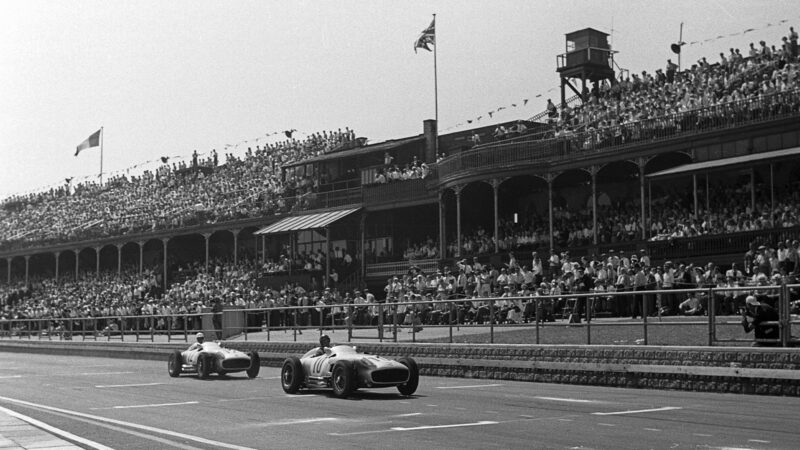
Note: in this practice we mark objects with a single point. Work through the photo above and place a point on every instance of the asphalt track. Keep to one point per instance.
(131, 404)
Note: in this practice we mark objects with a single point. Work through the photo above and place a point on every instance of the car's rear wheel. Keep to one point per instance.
(175, 363)
(411, 385)
(342, 379)
(255, 365)
(203, 366)
(292, 375)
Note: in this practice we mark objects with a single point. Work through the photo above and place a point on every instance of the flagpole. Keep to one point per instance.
(436, 91)
(101, 156)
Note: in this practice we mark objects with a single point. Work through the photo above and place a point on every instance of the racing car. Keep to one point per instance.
(210, 358)
(344, 370)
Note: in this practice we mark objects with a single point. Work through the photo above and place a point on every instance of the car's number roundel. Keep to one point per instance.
(319, 364)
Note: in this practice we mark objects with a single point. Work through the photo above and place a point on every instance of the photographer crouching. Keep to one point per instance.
(754, 316)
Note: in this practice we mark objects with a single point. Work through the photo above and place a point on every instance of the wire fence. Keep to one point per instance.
(711, 316)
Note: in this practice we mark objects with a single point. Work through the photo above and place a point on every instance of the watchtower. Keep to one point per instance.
(588, 57)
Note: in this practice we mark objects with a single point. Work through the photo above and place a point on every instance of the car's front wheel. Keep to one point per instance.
(342, 379)
(255, 365)
(292, 375)
(175, 363)
(203, 366)
(411, 385)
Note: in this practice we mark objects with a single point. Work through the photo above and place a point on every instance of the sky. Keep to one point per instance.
(168, 78)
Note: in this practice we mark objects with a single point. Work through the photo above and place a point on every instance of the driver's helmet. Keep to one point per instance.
(200, 337)
(324, 341)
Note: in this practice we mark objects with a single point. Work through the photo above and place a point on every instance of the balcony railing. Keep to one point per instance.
(396, 191)
(608, 140)
(721, 244)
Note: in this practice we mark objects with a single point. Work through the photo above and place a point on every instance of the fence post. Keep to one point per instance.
(644, 313)
(491, 321)
(169, 323)
(538, 317)
(349, 322)
(380, 322)
(711, 321)
(269, 314)
(294, 324)
(394, 320)
(784, 314)
(589, 308)
(450, 321)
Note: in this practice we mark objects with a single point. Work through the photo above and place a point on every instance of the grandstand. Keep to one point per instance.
(691, 167)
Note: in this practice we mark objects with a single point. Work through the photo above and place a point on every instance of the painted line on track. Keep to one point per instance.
(154, 405)
(469, 387)
(569, 400)
(454, 425)
(100, 373)
(56, 431)
(228, 400)
(297, 421)
(758, 441)
(5, 377)
(104, 386)
(638, 411)
(408, 415)
(420, 428)
(651, 429)
(128, 424)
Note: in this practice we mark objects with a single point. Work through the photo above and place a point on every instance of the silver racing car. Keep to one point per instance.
(210, 357)
(344, 370)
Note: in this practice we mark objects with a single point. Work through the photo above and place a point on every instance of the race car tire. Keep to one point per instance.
(343, 379)
(292, 375)
(411, 385)
(203, 366)
(175, 363)
(255, 365)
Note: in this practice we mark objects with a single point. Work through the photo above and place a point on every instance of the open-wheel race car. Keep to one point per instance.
(343, 369)
(210, 358)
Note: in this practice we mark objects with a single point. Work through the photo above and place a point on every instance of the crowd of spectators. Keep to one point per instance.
(96, 303)
(205, 191)
(516, 286)
(670, 92)
(392, 172)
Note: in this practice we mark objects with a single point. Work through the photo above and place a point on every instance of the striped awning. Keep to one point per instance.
(306, 222)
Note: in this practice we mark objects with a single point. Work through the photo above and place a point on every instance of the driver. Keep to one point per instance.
(324, 345)
(199, 344)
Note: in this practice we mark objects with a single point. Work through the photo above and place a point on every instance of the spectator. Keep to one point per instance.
(759, 316)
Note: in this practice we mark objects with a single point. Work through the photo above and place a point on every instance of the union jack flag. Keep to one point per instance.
(427, 38)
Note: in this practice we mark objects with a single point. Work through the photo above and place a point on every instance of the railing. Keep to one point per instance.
(581, 56)
(390, 269)
(559, 107)
(398, 191)
(323, 200)
(612, 139)
(384, 320)
(720, 244)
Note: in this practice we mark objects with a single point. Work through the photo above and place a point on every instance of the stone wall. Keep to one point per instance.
(764, 371)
